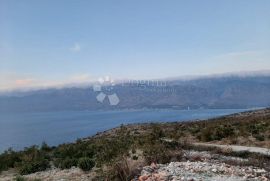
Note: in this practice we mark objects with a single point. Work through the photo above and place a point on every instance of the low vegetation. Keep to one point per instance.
(110, 153)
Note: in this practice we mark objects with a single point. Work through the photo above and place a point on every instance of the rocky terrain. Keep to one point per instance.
(207, 171)
(194, 166)
(205, 167)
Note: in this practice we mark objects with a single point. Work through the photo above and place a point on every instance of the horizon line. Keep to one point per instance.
(87, 83)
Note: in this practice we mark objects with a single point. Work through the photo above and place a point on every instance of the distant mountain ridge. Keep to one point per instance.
(206, 92)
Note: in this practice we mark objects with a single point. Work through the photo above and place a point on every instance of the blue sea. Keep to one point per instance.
(19, 130)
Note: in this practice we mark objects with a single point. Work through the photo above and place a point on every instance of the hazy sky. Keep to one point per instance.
(45, 42)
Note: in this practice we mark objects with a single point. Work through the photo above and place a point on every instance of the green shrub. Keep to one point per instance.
(216, 133)
(19, 178)
(68, 163)
(259, 137)
(86, 163)
(8, 159)
(156, 132)
(34, 166)
(157, 153)
(223, 132)
(206, 135)
(45, 147)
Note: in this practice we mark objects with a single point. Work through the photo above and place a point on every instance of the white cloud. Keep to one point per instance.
(76, 47)
(11, 81)
(80, 78)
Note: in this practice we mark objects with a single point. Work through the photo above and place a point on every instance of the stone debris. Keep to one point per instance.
(72, 174)
(201, 171)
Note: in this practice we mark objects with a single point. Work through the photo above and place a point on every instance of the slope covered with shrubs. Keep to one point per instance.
(110, 151)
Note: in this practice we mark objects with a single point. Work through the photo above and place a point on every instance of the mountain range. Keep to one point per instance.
(199, 93)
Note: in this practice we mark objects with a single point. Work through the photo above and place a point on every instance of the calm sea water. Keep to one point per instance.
(19, 130)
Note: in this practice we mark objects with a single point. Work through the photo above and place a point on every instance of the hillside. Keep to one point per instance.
(206, 92)
(122, 153)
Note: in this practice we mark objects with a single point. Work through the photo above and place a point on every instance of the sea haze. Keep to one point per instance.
(19, 130)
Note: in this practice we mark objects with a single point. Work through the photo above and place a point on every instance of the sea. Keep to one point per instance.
(20, 130)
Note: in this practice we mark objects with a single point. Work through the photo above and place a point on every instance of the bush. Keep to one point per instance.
(216, 133)
(86, 163)
(223, 132)
(45, 147)
(67, 163)
(34, 166)
(8, 159)
(259, 137)
(157, 153)
(206, 135)
(19, 178)
(123, 170)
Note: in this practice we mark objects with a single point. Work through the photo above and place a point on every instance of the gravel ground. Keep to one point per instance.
(205, 171)
(203, 166)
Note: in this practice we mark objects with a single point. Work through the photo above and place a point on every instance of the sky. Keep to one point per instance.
(44, 43)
